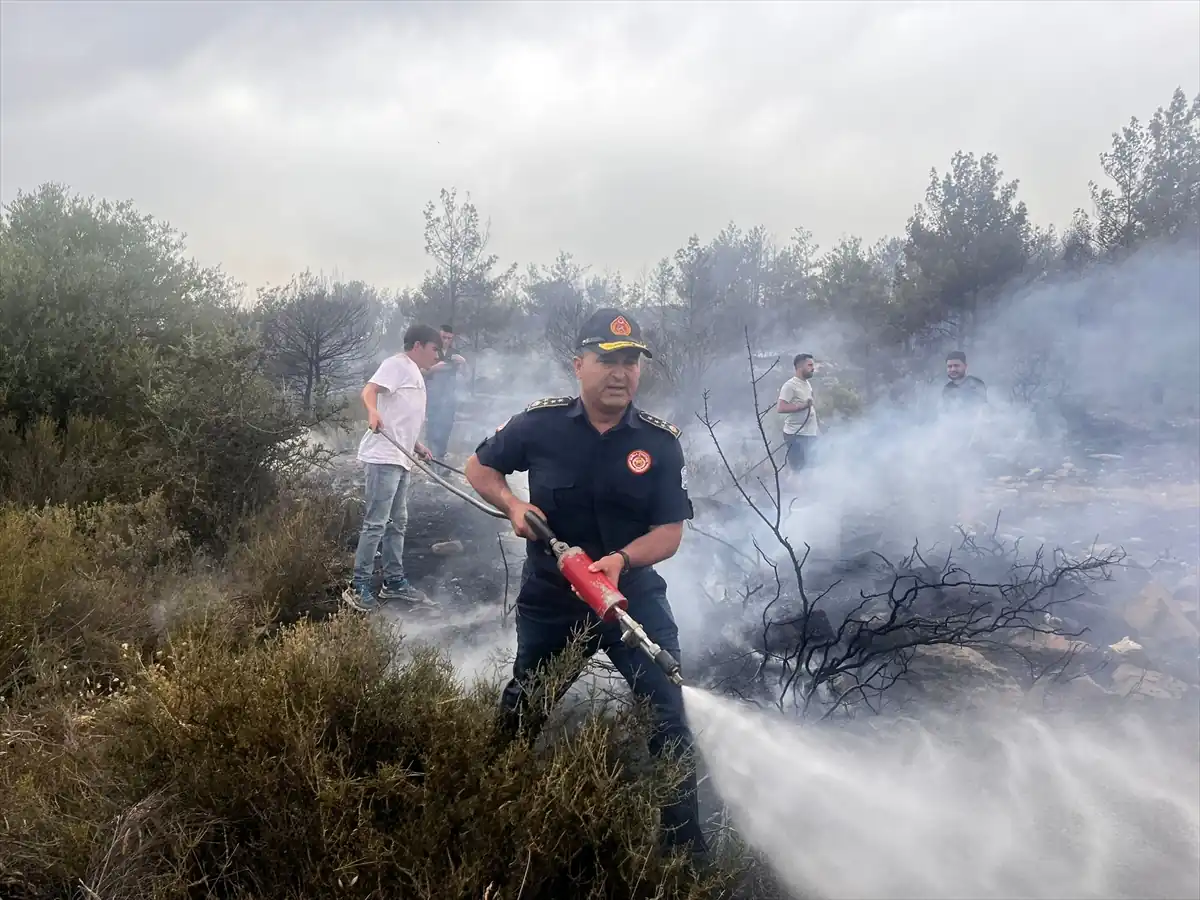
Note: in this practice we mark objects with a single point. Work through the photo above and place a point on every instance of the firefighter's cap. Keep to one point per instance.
(608, 329)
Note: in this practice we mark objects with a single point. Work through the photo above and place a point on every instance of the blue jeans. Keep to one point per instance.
(799, 450)
(384, 521)
(548, 614)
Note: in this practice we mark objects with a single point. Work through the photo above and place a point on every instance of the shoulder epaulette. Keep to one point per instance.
(659, 423)
(549, 403)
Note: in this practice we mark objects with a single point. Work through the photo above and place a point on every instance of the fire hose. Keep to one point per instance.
(601, 595)
(456, 491)
(594, 588)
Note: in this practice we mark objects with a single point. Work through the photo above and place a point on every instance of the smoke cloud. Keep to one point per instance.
(1079, 445)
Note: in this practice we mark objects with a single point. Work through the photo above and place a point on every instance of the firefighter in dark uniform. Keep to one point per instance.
(611, 479)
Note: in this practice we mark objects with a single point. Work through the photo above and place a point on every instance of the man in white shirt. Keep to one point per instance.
(800, 427)
(395, 402)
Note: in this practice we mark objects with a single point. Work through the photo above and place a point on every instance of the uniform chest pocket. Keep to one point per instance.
(555, 488)
(633, 495)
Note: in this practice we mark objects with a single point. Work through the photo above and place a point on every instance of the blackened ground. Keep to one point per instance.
(473, 575)
(436, 516)
(469, 585)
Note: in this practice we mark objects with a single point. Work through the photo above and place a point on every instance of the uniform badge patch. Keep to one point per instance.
(638, 462)
(620, 327)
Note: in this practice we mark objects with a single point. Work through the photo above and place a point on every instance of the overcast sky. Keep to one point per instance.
(289, 135)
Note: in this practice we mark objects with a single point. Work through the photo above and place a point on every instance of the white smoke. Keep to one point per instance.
(1013, 806)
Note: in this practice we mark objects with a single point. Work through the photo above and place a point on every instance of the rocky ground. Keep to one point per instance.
(1136, 491)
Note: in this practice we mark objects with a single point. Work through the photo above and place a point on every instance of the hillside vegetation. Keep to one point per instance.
(183, 710)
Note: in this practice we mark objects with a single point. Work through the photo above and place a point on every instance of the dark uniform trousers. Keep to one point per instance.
(549, 615)
(440, 406)
(438, 426)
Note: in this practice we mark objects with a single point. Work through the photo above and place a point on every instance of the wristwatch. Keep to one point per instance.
(625, 556)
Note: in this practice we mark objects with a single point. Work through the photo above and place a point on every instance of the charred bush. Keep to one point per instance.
(840, 648)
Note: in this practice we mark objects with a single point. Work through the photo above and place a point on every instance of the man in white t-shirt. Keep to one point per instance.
(800, 427)
(395, 401)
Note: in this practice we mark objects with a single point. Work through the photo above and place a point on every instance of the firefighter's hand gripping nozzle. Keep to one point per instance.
(602, 596)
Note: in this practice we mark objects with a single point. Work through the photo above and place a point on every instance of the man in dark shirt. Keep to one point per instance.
(612, 480)
(962, 391)
(441, 385)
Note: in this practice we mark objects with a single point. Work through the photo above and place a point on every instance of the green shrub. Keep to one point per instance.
(839, 401)
(64, 615)
(126, 368)
(157, 741)
(85, 462)
(290, 562)
(325, 762)
(81, 588)
(217, 436)
(217, 451)
(88, 290)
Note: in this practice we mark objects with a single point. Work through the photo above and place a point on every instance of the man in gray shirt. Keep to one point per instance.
(800, 426)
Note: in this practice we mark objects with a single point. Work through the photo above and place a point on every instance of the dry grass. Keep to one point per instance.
(176, 728)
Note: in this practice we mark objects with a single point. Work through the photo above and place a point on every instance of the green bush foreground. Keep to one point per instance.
(183, 710)
(157, 741)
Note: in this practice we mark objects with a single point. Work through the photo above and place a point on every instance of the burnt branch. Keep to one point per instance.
(774, 520)
(738, 554)
(837, 650)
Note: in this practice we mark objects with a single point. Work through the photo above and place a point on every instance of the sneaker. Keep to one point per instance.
(360, 598)
(402, 590)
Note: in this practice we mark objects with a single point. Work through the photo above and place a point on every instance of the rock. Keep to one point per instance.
(1155, 613)
(1131, 652)
(1052, 649)
(1104, 624)
(447, 548)
(1187, 596)
(961, 676)
(1131, 681)
(1125, 645)
(1084, 688)
(1066, 692)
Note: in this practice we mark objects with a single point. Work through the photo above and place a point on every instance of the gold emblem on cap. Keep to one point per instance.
(620, 327)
